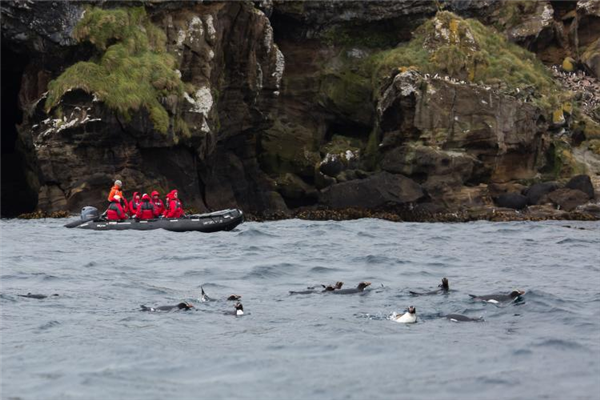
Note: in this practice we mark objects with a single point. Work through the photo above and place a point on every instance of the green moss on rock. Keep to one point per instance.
(466, 49)
(349, 93)
(288, 148)
(134, 70)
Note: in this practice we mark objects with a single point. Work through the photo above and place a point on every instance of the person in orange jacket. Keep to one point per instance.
(116, 190)
(174, 207)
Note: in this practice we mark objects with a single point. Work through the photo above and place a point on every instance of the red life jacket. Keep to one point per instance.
(145, 209)
(175, 209)
(133, 204)
(159, 206)
(115, 212)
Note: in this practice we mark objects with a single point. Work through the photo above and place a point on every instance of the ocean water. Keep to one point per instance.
(93, 342)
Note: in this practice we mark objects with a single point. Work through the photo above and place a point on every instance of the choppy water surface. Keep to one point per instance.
(92, 342)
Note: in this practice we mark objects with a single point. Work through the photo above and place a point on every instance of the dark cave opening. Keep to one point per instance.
(562, 8)
(348, 129)
(17, 194)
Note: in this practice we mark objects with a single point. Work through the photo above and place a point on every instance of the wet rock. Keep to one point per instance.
(499, 131)
(568, 199)
(582, 183)
(592, 209)
(335, 163)
(591, 58)
(42, 214)
(290, 186)
(536, 192)
(515, 201)
(373, 192)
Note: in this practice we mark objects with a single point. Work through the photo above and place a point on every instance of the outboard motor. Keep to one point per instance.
(89, 213)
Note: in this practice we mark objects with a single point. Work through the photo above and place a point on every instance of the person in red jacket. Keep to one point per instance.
(145, 209)
(159, 206)
(133, 204)
(174, 206)
(115, 212)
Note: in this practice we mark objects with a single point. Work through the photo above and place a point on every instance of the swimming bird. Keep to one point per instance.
(180, 306)
(204, 297)
(326, 288)
(462, 318)
(359, 289)
(36, 296)
(443, 288)
(409, 317)
(499, 298)
(239, 310)
(331, 288)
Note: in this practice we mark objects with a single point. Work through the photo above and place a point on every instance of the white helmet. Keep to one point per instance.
(118, 183)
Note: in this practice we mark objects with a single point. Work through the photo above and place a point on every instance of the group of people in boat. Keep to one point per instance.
(144, 206)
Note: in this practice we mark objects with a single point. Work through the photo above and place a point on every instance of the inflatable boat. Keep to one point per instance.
(224, 220)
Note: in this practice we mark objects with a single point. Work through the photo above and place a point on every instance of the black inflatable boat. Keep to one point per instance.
(224, 220)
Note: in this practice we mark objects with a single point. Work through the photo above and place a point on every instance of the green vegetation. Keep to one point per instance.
(467, 50)
(511, 12)
(349, 92)
(134, 70)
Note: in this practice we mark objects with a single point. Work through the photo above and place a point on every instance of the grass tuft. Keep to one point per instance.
(466, 49)
(134, 71)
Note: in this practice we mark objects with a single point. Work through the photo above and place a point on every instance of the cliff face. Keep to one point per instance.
(278, 105)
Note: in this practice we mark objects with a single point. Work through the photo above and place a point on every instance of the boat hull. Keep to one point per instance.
(225, 220)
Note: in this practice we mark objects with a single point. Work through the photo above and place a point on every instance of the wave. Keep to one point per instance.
(323, 270)
(577, 241)
(560, 344)
(270, 271)
(378, 259)
(48, 325)
(254, 233)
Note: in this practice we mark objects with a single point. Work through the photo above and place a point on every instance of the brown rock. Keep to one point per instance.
(568, 199)
(591, 59)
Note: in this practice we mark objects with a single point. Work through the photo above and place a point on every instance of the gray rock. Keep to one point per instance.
(374, 192)
(515, 201)
(582, 183)
(536, 192)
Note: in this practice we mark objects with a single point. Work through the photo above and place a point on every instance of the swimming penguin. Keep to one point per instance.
(409, 317)
(238, 312)
(312, 289)
(36, 296)
(443, 288)
(462, 318)
(180, 306)
(308, 291)
(331, 288)
(204, 297)
(359, 289)
(499, 298)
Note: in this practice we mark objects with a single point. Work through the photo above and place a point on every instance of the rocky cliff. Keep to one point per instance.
(276, 106)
